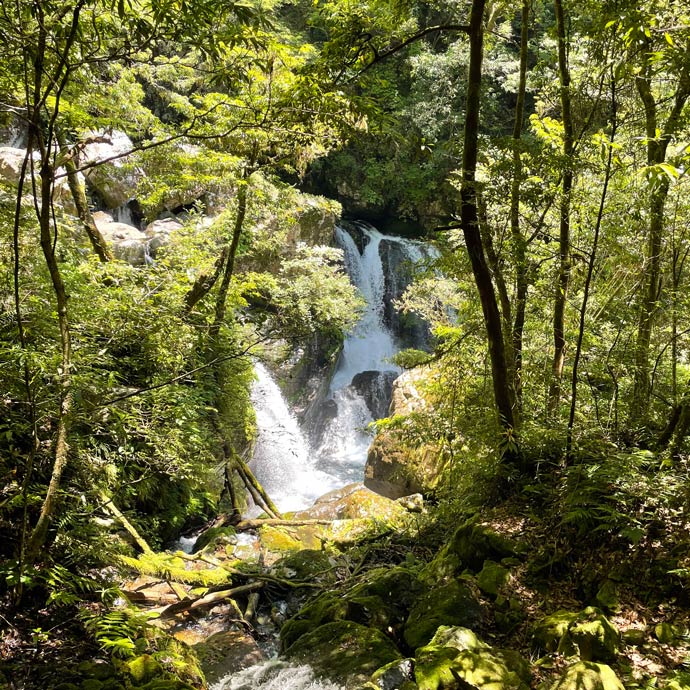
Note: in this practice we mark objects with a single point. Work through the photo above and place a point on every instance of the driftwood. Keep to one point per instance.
(207, 600)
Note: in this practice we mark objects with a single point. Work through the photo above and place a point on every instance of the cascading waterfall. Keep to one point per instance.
(294, 471)
(282, 459)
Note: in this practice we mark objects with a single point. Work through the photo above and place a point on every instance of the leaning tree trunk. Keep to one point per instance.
(469, 221)
(563, 280)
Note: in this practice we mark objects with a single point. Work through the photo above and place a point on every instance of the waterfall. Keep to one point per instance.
(282, 460)
(295, 471)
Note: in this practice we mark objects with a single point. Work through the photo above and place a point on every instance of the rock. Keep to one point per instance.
(635, 637)
(393, 676)
(589, 634)
(492, 577)
(214, 537)
(344, 652)
(326, 608)
(450, 603)
(115, 181)
(376, 388)
(307, 564)
(159, 232)
(470, 546)
(394, 468)
(127, 242)
(607, 596)
(11, 162)
(666, 633)
(457, 637)
(143, 668)
(587, 675)
(353, 501)
(227, 652)
(437, 668)
(414, 503)
(316, 220)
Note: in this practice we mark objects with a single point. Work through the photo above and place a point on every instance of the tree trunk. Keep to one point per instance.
(590, 271)
(564, 224)
(469, 221)
(519, 243)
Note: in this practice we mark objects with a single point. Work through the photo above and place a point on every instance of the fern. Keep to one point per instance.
(171, 568)
(116, 631)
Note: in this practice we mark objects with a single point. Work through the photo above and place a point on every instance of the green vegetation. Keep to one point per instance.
(542, 147)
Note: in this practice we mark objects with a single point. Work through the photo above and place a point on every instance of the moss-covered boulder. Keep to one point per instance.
(345, 652)
(549, 631)
(457, 637)
(394, 676)
(588, 634)
(437, 668)
(587, 675)
(450, 603)
(214, 537)
(492, 577)
(306, 564)
(326, 608)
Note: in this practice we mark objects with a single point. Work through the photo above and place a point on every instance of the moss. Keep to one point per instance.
(448, 604)
(548, 633)
(439, 667)
(91, 684)
(344, 651)
(457, 637)
(143, 668)
(278, 539)
(213, 536)
(326, 608)
(307, 564)
(587, 675)
(492, 577)
(593, 636)
(680, 681)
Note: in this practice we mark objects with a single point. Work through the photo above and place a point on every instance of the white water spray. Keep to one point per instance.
(274, 675)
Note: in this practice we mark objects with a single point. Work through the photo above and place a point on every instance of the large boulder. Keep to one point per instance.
(316, 220)
(113, 177)
(127, 242)
(345, 652)
(159, 231)
(589, 634)
(395, 467)
(450, 603)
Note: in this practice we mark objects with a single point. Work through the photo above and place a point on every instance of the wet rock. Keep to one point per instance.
(115, 181)
(316, 219)
(376, 387)
(394, 467)
(227, 652)
(587, 675)
(394, 676)
(450, 603)
(353, 501)
(345, 652)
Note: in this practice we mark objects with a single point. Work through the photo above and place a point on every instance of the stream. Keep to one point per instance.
(297, 465)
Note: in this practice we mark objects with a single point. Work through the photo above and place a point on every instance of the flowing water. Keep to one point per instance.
(274, 675)
(298, 465)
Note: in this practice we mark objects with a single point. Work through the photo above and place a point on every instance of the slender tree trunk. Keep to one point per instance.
(590, 271)
(469, 221)
(563, 280)
(519, 242)
(100, 246)
(657, 144)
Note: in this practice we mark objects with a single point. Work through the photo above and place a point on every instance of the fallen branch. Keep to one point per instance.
(275, 522)
(208, 599)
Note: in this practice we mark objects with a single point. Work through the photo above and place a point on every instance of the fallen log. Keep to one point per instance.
(207, 600)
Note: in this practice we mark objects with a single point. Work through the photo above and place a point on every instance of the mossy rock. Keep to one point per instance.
(492, 577)
(98, 670)
(452, 603)
(437, 668)
(593, 636)
(306, 564)
(587, 675)
(667, 633)
(588, 634)
(214, 536)
(279, 539)
(92, 684)
(457, 637)
(384, 599)
(345, 652)
(326, 608)
(607, 596)
(227, 652)
(548, 632)
(143, 668)
(470, 546)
